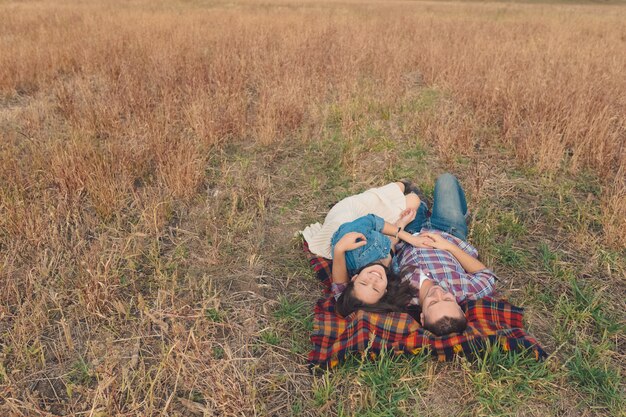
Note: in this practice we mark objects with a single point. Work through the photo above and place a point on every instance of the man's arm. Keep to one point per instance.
(479, 281)
(480, 284)
(468, 262)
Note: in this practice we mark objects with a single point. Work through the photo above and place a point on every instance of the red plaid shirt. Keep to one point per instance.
(442, 267)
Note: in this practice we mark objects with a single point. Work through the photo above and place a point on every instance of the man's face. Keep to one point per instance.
(370, 284)
(439, 303)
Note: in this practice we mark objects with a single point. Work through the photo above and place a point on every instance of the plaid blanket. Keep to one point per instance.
(490, 322)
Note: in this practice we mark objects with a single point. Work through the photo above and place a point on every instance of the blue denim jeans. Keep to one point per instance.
(449, 209)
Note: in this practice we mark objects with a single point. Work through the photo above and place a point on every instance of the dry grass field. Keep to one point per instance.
(158, 157)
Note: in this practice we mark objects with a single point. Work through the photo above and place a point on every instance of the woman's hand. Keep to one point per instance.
(437, 241)
(350, 241)
(420, 241)
(406, 217)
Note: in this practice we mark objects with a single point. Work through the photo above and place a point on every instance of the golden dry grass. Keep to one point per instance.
(122, 208)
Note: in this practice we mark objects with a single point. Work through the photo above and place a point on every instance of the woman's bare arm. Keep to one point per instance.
(347, 243)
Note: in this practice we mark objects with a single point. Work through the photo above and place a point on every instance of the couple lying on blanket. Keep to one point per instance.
(389, 252)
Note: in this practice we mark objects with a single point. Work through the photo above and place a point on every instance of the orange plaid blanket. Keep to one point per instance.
(490, 322)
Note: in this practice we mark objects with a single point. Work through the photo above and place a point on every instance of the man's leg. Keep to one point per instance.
(449, 207)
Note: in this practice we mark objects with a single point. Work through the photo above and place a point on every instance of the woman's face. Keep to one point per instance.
(370, 284)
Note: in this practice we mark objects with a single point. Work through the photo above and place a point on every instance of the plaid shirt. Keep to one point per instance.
(440, 266)
(443, 268)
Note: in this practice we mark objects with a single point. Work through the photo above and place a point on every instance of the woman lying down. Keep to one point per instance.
(419, 259)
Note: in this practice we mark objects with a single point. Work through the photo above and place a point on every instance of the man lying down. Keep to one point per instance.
(419, 259)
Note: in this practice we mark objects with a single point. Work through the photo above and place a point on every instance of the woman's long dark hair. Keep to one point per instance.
(398, 295)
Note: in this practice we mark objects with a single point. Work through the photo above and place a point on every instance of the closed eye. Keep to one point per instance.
(365, 285)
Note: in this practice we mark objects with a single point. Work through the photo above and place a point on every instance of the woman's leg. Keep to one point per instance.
(415, 199)
(449, 207)
(412, 200)
(420, 218)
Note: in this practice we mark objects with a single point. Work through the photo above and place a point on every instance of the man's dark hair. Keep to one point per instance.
(398, 295)
(446, 325)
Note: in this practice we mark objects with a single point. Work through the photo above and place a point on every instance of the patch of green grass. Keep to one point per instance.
(385, 113)
(564, 206)
(292, 265)
(385, 386)
(601, 386)
(462, 160)
(290, 205)
(410, 165)
(373, 133)
(196, 396)
(588, 183)
(335, 117)
(271, 337)
(482, 230)
(382, 144)
(81, 373)
(510, 225)
(300, 344)
(509, 255)
(297, 408)
(538, 292)
(426, 100)
(381, 377)
(612, 261)
(399, 170)
(587, 298)
(181, 252)
(391, 381)
(526, 172)
(415, 153)
(394, 172)
(323, 389)
(326, 170)
(552, 206)
(580, 310)
(548, 258)
(296, 313)
(568, 321)
(502, 381)
(551, 262)
(3, 373)
(214, 315)
(218, 352)
(314, 184)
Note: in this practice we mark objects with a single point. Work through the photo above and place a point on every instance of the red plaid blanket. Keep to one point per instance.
(490, 322)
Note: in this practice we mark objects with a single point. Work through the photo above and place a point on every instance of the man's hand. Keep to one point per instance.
(437, 241)
(420, 241)
(467, 261)
(406, 217)
(350, 241)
